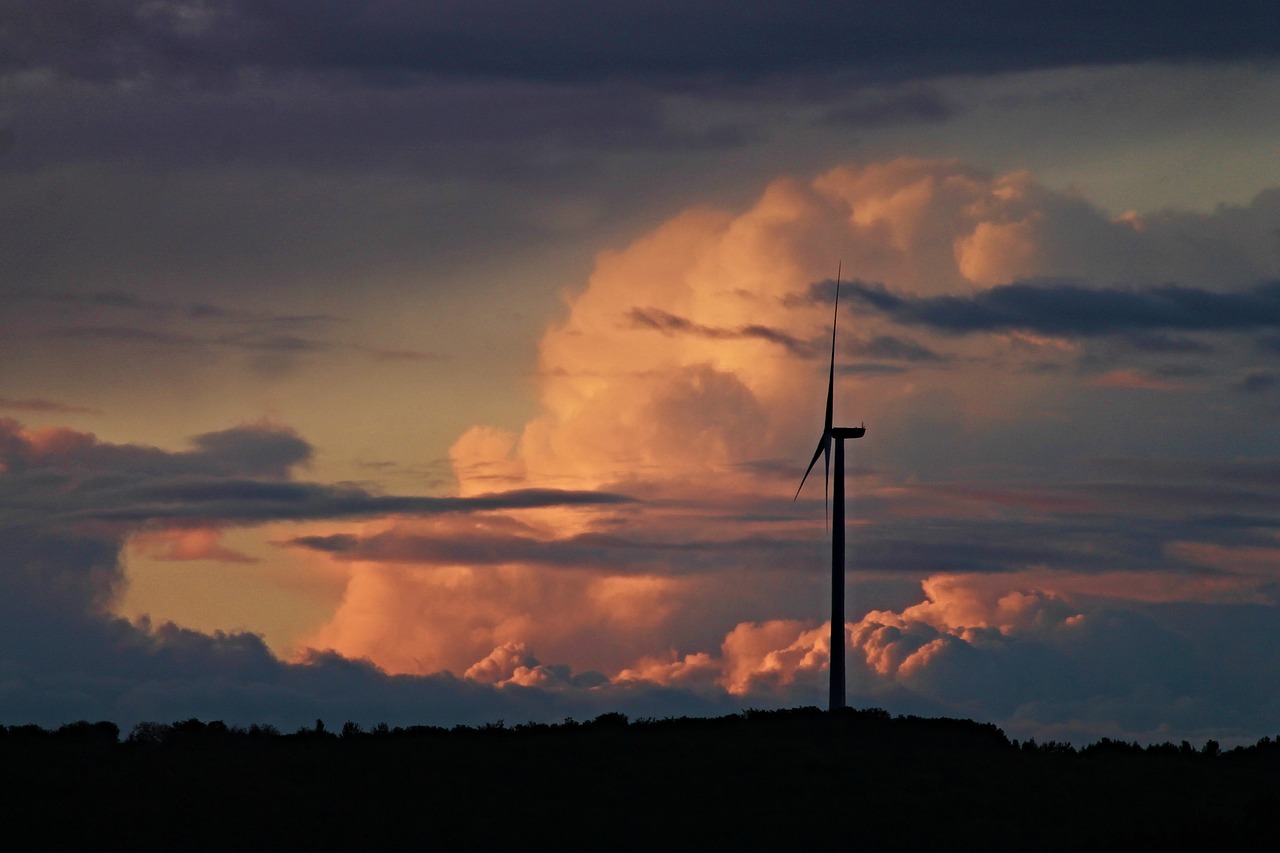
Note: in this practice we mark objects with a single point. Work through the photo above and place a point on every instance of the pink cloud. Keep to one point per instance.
(186, 543)
(1131, 379)
(773, 655)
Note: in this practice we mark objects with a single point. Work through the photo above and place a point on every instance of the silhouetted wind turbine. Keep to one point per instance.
(838, 435)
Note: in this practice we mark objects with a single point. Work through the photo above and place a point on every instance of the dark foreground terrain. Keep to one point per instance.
(785, 780)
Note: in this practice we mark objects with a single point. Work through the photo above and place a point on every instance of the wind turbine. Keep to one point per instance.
(837, 435)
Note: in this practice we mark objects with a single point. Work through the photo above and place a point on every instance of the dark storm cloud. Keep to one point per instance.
(663, 43)
(1068, 309)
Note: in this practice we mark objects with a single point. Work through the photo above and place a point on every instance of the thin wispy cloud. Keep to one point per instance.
(250, 341)
(672, 324)
(37, 404)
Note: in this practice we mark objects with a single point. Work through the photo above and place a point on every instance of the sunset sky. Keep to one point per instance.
(458, 361)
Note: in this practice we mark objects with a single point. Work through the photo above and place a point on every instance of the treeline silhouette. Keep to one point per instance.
(781, 779)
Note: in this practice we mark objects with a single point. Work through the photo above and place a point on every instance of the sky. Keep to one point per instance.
(458, 362)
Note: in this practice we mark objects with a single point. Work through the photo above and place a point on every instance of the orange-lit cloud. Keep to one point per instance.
(689, 374)
(188, 543)
(686, 352)
(773, 654)
(425, 612)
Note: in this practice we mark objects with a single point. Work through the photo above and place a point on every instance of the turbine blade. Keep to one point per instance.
(831, 394)
(824, 443)
(831, 375)
(822, 447)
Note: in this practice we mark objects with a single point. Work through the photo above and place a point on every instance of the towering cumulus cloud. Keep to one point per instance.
(1031, 540)
(1032, 370)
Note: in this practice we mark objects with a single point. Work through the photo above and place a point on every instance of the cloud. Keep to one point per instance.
(907, 107)
(72, 503)
(894, 349)
(255, 451)
(423, 619)
(69, 303)
(662, 45)
(687, 354)
(773, 655)
(1028, 574)
(36, 404)
(199, 328)
(190, 543)
(482, 545)
(130, 325)
(1063, 308)
(670, 324)
(1158, 342)
(633, 543)
(1257, 383)
(1032, 650)
(1130, 379)
(58, 476)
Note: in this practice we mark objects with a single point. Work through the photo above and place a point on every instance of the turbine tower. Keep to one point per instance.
(837, 435)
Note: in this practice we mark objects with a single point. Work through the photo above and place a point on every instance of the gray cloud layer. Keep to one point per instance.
(1064, 308)
(662, 43)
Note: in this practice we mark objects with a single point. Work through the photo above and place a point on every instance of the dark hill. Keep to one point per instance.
(784, 780)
